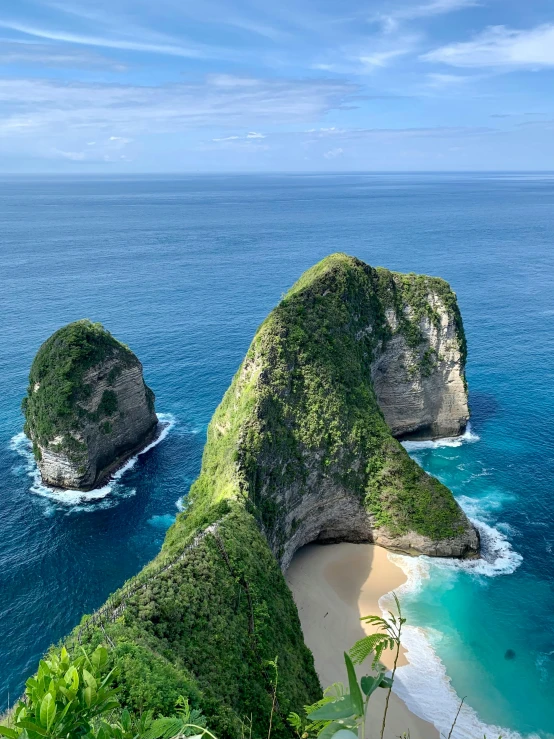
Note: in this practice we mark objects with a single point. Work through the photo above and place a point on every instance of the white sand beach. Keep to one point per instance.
(333, 586)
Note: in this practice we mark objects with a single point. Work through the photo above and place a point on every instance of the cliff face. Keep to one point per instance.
(418, 373)
(300, 434)
(87, 407)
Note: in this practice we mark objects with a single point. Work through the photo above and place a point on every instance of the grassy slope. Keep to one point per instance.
(206, 627)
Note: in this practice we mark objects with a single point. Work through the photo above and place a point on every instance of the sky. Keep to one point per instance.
(110, 86)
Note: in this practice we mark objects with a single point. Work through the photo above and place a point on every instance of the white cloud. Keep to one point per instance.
(54, 55)
(108, 42)
(499, 46)
(86, 121)
(333, 153)
(440, 81)
(381, 58)
(391, 20)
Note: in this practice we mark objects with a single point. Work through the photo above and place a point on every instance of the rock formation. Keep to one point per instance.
(298, 451)
(87, 407)
(302, 432)
(418, 374)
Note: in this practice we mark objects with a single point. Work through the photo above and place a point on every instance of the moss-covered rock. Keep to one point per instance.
(87, 407)
(300, 438)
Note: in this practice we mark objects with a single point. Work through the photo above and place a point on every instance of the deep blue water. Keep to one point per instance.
(183, 270)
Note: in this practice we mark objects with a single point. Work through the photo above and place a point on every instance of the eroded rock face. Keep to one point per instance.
(422, 390)
(86, 416)
(351, 358)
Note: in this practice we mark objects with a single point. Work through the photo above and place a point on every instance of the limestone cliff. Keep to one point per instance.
(300, 435)
(87, 407)
(418, 371)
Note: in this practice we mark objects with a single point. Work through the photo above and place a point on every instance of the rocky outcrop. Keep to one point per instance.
(420, 385)
(352, 357)
(87, 409)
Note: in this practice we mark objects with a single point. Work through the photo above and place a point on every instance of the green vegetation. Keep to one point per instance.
(211, 617)
(301, 410)
(74, 698)
(54, 405)
(202, 621)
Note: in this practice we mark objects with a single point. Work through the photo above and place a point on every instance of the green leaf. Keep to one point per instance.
(87, 695)
(10, 733)
(47, 711)
(345, 734)
(71, 678)
(370, 684)
(26, 724)
(355, 692)
(88, 678)
(332, 730)
(341, 708)
(386, 682)
(126, 719)
(99, 657)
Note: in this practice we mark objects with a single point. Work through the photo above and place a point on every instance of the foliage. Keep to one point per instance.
(64, 697)
(74, 698)
(301, 411)
(206, 629)
(57, 394)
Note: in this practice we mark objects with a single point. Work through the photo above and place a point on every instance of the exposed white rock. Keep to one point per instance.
(422, 390)
(131, 427)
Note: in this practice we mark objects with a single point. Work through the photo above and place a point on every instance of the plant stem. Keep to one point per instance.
(392, 679)
(457, 714)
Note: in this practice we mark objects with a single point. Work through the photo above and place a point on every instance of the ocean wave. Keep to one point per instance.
(423, 683)
(427, 691)
(78, 500)
(468, 437)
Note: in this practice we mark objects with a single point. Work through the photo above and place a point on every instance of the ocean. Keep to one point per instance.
(183, 270)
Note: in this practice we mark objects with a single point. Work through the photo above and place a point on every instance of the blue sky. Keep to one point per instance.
(296, 85)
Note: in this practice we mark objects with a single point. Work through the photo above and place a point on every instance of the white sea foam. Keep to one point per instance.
(423, 683)
(468, 437)
(77, 499)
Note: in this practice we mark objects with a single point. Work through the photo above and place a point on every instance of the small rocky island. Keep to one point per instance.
(87, 407)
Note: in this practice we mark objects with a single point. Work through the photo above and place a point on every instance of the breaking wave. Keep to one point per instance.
(468, 437)
(423, 683)
(78, 500)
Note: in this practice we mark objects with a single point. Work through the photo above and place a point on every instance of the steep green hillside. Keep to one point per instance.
(301, 415)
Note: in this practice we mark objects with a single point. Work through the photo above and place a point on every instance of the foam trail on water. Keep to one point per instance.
(77, 499)
(468, 437)
(423, 683)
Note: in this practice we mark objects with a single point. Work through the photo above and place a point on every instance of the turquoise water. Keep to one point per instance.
(184, 270)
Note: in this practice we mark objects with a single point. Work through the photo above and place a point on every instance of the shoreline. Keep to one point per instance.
(333, 586)
(67, 497)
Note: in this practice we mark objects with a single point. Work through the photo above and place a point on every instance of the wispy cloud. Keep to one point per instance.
(499, 46)
(54, 55)
(47, 115)
(333, 153)
(107, 42)
(390, 20)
